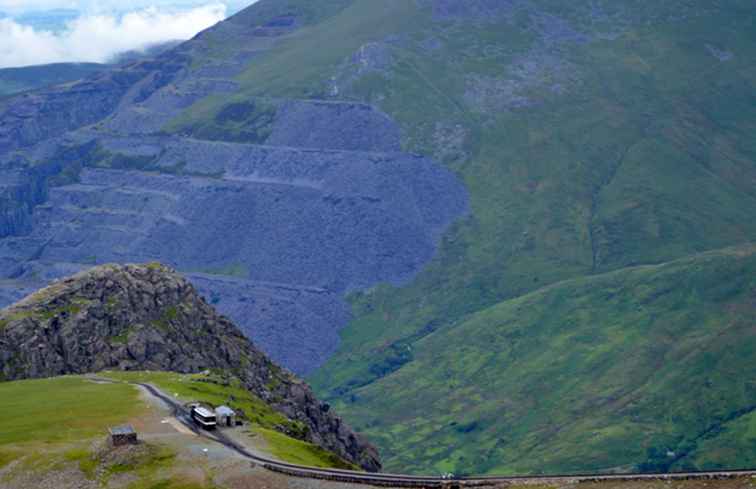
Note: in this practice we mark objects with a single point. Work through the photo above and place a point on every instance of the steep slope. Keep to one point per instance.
(312, 199)
(149, 318)
(646, 368)
(592, 136)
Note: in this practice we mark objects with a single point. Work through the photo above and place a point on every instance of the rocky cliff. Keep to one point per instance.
(147, 317)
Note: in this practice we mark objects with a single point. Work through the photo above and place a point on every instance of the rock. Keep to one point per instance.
(276, 208)
(147, 317)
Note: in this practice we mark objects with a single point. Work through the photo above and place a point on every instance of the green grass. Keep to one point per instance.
(730, 444)
(62, 410)
(267, 422)
(589, 374)
(172, 483)
(8, 456)
(149, 466)
(299, 452)
(238, 270)
(83, 457)
(206, 388)
(53, 425)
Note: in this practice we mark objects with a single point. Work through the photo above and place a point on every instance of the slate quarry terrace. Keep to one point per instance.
(273, 235)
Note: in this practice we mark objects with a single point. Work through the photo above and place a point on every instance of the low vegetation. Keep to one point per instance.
(282, 435)
(62, 410)
(62, 422)
(648, 368)
(212, 389)
(54, 421)
(299, 452)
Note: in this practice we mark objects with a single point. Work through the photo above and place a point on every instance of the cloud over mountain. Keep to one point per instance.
(97, 38)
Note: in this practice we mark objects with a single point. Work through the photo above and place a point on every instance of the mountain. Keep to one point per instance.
(150, 318)
(14, 80)
(371, 188)
(312, 199)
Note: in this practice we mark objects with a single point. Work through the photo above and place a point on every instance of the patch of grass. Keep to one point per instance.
(156, 266)
(299, 452)
(171, 313)
(122, 338)
(172, 483)
(68, 310)
(63, 409)
(8, 456)
(238, 270)
(244, 121)
(14, 315)
(87, 463)
(147, 464)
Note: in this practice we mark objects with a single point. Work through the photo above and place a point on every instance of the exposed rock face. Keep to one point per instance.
(149, 318)
(297, 202)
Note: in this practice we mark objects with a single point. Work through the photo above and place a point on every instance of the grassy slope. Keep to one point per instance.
(47, 423)
(265, 421)
(50, 424)
(587, 374)
(647, 158)
(62, 410)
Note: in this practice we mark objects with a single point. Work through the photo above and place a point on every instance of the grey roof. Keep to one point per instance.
(224, 411)
(203, 411)
(126, 429)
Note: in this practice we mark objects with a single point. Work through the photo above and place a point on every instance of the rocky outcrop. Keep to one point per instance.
(20, 191)
(147, 317)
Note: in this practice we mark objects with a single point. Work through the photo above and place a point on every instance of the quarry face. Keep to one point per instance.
(275, 233)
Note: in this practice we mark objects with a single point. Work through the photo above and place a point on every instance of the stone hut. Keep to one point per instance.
(123, 435)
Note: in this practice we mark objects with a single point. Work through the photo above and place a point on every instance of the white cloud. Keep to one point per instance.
(16, 7)
(96, 38)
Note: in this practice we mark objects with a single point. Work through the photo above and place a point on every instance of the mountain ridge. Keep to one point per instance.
(149, 318)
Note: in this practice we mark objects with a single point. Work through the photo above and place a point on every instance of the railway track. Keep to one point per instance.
(399, 480)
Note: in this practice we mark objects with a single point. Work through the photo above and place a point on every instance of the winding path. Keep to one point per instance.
(397, 480)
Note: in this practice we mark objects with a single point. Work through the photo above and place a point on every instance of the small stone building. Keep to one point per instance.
(123, 435)
(225, 416)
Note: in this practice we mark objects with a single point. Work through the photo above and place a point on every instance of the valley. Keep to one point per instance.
(497, 236)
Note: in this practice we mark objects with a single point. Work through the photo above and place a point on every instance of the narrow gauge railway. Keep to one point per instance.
(399, 480)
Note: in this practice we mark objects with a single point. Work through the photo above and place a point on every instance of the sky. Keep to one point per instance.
(36, 32)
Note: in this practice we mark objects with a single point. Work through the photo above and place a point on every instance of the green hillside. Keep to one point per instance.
(592, 373)
(593, 137)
